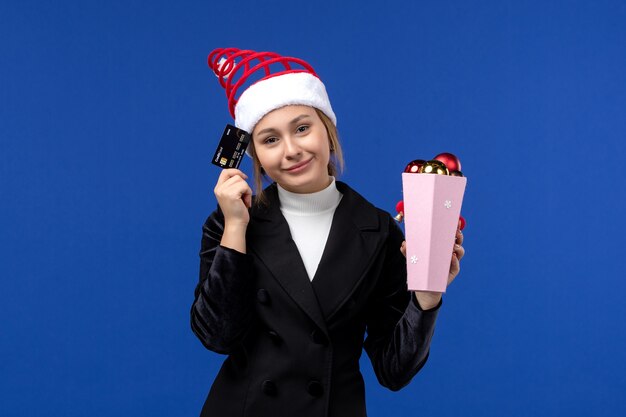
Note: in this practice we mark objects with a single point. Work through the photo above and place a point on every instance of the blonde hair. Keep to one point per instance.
(335, 163)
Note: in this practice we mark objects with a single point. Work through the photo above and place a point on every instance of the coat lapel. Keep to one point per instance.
(270, 239)
(353, 242)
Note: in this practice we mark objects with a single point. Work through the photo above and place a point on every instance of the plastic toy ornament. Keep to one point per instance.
(413, 167)
(400, 210)
(449, 160)
(434, 167)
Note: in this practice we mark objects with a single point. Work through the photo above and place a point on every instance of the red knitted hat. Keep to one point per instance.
(258, 82)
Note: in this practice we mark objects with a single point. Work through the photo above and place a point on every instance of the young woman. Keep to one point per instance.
(293, 278)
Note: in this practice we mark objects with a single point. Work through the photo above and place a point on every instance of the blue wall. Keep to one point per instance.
(109, 117)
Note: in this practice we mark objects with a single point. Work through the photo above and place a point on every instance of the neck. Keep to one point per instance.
(329, 180)
(310, 203)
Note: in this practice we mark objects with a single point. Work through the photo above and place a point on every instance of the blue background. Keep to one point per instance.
(109, 117)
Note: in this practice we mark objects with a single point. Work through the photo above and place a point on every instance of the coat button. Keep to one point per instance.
(319, 338)
(263, 296)
(315, 388)
(274, 336)
(269, 388)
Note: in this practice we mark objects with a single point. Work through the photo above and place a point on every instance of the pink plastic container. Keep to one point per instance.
(432, 205)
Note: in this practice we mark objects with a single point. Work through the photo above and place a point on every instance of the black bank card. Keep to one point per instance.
(232, 147)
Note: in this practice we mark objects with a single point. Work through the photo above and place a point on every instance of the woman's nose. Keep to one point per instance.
(292, 149)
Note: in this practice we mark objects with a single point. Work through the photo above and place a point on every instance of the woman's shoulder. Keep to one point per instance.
(363, 207)
(359, 198)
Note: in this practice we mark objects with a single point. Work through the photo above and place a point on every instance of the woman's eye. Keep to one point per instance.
(302, 128)
(270, 140)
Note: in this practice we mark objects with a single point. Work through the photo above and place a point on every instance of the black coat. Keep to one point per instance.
(294, 344)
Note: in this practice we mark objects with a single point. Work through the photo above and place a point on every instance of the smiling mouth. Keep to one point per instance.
(300, 165)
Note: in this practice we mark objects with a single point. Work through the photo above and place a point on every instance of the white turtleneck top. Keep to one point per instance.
(309, 217)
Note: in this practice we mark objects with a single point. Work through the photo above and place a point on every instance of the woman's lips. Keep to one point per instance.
(299, 167)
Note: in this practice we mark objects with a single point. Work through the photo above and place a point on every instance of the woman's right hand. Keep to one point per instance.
(234, 197)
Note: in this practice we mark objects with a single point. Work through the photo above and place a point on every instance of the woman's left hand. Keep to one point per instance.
(430, 299)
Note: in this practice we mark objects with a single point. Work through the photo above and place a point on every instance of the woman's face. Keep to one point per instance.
(292, 146)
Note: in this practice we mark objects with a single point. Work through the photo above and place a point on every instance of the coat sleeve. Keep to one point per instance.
(223, 307)
(398, 330)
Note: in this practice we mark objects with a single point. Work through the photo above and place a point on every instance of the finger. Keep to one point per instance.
(247, 198)
(455, 268)
(403, 248)
(455, 265)
(235, 188)
(226, 187)
(459, 237)
(229, 173)
(459, 251)
(233, 180)
(234, 196)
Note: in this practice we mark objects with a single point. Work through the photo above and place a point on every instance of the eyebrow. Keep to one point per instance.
(294, 121)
